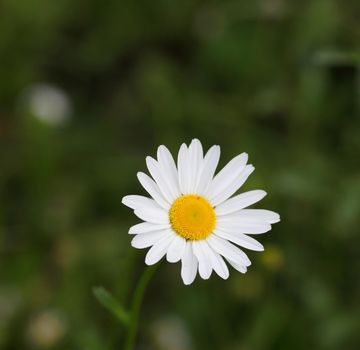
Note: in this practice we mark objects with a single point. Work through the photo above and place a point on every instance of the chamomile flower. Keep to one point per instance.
(192, 217)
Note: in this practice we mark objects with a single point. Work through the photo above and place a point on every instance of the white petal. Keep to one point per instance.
(233, 186)
(200, 251)
(210, 163)
(146, 227)
(259, 214)
(241, 240)
(195, 163)
(217, 262)
(154, 215)
(237, 266)
(140, 202)
(183, 169)
(189, 264)
(159, 177)
(159, 249)
(227, 175)
(152, 188)
(234, 225)
(147, 240)
(176, 249)
(239, 202)
(168, 166)
(135, 201)
(228, 250)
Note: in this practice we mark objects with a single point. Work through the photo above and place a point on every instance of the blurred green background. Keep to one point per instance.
(89, 88)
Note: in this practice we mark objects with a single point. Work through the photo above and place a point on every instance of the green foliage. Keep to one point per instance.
(88, 89)
(110, 303)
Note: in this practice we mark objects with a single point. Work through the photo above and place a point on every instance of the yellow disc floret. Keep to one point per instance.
(192, 217)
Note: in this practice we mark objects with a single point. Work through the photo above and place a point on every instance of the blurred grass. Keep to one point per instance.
(87, 90)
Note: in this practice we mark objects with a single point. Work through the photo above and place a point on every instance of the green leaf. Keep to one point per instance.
(110, 303)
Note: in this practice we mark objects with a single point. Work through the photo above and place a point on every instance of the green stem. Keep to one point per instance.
(136, 305)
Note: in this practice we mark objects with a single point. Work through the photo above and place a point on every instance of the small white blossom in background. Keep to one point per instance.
(10, 303)
(48, 103)
(170, 333)
(46, 329)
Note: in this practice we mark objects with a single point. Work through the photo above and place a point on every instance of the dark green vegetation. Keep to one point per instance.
(277, 79)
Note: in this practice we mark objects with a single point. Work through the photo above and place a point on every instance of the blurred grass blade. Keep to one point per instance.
(110, 303)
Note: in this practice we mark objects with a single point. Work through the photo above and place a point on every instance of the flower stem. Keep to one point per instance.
(136, 305)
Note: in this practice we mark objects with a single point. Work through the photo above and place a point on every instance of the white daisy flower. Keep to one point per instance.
(192, 216)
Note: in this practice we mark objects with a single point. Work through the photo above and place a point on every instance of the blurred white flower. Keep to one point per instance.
(10, 301)
(46, 329)
(191, 216)
(210, 23)
(48, 103)
(170, 333)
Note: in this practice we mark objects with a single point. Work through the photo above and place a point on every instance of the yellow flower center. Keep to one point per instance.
(192, 217)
